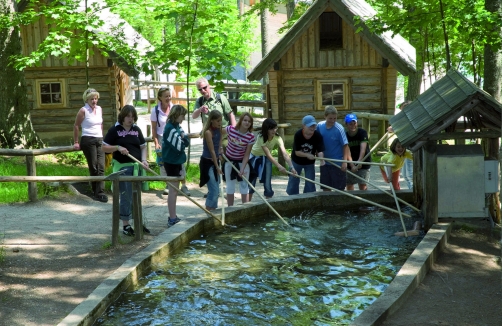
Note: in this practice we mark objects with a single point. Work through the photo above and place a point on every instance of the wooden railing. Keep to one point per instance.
(149, 85)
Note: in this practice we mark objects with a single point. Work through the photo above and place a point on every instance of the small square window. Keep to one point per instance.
(332, 92)
(50, 93)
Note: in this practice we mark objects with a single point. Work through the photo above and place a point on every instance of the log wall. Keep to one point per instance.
(55, 125)
(371, 82)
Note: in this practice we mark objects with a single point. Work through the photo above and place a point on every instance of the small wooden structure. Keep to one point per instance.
(453, 108)
(322, 60)
(55, 87)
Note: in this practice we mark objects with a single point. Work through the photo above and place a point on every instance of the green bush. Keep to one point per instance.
(71, 158)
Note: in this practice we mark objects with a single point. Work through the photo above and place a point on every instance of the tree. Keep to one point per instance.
(16, 130)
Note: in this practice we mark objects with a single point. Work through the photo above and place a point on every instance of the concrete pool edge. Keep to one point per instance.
(129, 273)
(408, 278)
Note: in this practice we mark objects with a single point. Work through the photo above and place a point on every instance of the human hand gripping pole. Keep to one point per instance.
(261, 196)
(181, 192)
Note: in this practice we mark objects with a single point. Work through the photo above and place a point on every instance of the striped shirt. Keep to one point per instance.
(238, 143)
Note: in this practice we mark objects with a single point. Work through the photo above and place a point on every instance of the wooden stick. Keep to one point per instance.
(346, 193)
(376, 145)
(379, 188)
(399, 209)
(346, 161)
(261, 196)
(170, 184)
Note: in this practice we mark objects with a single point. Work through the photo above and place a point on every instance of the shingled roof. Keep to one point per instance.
(395, 48)
(440, 107)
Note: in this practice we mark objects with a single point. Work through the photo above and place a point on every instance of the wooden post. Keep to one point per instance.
(31, 170)
(430, 171)
(116, 212)
(136, 210)
(365, 124)
(148, 145)
(148, 98)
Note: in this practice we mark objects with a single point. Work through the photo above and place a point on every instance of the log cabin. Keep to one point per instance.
(328, 59)
(56, 85)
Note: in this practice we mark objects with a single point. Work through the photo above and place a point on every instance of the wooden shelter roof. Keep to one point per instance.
(439, 108)
(395, 48)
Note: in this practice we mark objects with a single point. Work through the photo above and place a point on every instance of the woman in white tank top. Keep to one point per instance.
(90, 119)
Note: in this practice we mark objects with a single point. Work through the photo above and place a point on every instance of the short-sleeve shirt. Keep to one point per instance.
(238, 143)
(313, 145)
(334, 140)
(161, 123)
(133, 140)
(355, 141)
(270, 144)
(395, 159)
(222, 105)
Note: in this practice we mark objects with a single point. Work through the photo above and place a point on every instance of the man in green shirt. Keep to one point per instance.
(211, 101)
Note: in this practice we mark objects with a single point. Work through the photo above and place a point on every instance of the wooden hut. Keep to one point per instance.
(55, 87)
(322, 60)
(453, 108)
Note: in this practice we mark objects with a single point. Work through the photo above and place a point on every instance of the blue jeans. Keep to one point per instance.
(126, 195)
(267, 182)
(408, 172)
(213, 190)
(293, 187)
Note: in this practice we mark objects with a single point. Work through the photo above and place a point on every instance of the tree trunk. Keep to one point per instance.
(290, 8)
(492, 85)
(264, 38)
(16, 130)
(240, 6)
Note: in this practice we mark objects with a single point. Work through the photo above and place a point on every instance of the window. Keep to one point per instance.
(51, 93)
(332, 92)
(330, 31)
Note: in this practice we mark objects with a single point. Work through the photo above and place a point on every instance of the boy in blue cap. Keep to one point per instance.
(307, 144)
(336, 147)
(358, 145)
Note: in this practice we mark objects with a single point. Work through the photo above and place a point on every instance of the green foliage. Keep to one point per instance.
(469, 27)
(18, 191)
(71, 158)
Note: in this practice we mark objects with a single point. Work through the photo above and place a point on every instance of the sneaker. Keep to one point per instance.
(145, 230)
(166, 191)
(128, 230)
(185, 190)
(172, 221)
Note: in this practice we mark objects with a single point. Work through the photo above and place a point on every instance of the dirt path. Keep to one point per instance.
(54, 258)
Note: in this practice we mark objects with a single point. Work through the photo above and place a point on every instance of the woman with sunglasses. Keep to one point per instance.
(261, 159)
(90, 119)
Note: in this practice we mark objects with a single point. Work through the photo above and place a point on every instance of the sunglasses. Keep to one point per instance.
(90, 90)
(202, 88)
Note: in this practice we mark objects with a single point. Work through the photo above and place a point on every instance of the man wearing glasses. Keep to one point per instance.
(211, 101)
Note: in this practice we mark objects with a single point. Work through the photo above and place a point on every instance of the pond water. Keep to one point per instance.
(324, 271)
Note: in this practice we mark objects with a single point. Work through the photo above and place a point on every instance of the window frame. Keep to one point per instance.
(346, 92)
(62, 84)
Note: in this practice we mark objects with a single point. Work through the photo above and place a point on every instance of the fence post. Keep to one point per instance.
(31, 170)
(137, 213)
(116, 212)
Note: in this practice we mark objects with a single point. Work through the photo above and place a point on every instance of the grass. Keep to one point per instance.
(47, 165)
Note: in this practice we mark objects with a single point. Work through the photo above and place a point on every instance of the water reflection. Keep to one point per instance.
(324, 271)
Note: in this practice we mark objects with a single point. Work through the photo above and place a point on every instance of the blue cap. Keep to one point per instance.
(309, 120)
(350, 117)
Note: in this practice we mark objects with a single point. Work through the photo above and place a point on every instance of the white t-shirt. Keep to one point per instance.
(161, 124)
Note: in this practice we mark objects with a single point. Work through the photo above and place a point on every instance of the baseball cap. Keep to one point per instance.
(309, 120)
(350, 117)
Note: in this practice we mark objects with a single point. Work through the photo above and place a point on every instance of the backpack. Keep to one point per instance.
(217, 99)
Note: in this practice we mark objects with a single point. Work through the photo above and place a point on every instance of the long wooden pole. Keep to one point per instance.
(222, 200)
(252, 187)
(399, 209)
(379, 188)
(171, 185)
(347, 194)
(376, 145)
(346, 161)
